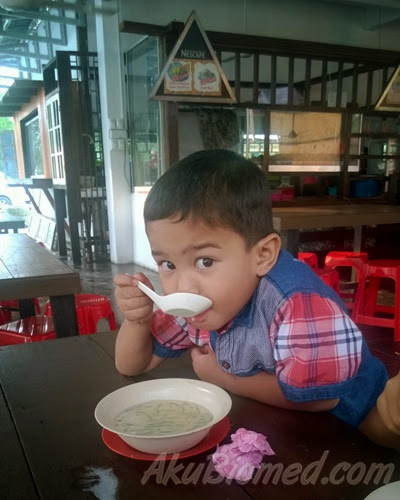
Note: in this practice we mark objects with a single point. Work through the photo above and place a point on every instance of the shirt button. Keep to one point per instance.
(225, 365)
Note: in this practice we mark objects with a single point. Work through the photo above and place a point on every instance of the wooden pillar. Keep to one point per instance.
(61, 213)
(71, 160)
(345, 146)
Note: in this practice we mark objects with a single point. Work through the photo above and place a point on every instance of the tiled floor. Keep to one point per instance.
(99, 279)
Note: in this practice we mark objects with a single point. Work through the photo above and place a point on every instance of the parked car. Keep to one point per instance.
(11, 195)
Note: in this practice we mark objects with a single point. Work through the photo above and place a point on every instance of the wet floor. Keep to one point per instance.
(98, 278)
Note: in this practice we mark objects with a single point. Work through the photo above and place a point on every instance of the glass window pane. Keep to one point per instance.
(306, 141)
(33, 147)
(144, 114)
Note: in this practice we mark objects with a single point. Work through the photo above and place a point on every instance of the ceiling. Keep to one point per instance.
(31, 31)
(376, 13)
(384, 4)
(19, 93)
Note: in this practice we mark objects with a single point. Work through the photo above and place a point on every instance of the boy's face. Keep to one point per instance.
(210, 261)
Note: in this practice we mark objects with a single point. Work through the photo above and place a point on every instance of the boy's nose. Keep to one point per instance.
(186, 284)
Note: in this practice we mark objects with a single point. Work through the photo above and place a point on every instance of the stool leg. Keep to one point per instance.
(85, 321)
(111, 321)
(7, 315)
(37, 306)
(360, 297)
(372, 295)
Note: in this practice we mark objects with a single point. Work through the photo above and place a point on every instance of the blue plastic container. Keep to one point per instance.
(364, 188)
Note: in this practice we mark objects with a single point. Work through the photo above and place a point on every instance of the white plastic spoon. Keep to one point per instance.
(183, 304)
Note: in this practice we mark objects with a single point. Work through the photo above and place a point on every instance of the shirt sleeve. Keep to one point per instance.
(317, 348)
(170, 335)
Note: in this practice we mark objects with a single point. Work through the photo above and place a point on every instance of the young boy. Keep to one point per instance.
(275, 332)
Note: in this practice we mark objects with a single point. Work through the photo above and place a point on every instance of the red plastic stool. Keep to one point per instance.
(330, 277)
(90, 309)
(354, 260)
(365, 306)
(6, 315)
(309, 258)
(13, 305)
(31, 329)
(2, 318)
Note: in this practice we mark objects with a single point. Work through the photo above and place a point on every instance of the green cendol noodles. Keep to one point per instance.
(162, 417)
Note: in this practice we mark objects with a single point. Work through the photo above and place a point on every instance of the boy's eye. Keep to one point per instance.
(204, 263)
(166, 265)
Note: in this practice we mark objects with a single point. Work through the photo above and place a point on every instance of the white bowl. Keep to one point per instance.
(215, 399)
(389, 491)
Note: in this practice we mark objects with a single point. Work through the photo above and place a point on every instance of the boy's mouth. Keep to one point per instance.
(199, 317)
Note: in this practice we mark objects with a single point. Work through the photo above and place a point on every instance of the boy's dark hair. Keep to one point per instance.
(217, 187)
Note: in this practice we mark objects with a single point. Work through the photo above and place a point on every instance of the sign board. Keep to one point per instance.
(192, 71)
(390, 99)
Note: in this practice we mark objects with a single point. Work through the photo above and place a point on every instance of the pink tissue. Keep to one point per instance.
(239, 459)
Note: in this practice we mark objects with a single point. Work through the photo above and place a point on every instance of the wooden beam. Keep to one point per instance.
(354, 87)
(142, 28)
(307, 85)
(324, 81)
(273, 79)
(339, 85)
(237, 76)
(256, 76)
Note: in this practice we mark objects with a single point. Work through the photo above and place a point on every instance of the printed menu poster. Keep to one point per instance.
(193, 70)
(390, 99)
(190, 76)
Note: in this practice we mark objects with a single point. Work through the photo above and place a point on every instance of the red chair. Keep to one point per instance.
(309, 258)
(330, 277)
(31, 329)
(90, 309)
(355, 260)
(365, 306)
(6, 306)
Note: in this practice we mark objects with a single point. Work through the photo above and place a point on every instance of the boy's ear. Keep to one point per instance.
(267, 250)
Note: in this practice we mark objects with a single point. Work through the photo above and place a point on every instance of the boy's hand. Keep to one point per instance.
(388, 404)
(132, 302)
(205, 365)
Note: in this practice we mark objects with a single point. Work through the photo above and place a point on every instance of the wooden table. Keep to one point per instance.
(12, 222)
(28, 270)
(289, 220)
(51, 446)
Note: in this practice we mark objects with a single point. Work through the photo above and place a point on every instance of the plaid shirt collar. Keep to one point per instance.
(245, 316)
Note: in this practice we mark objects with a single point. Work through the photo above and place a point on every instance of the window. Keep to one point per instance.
(307, 141)
(55, 139)
(144, 114)
(32, 146)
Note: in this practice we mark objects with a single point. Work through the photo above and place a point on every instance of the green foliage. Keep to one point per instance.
(6, 123)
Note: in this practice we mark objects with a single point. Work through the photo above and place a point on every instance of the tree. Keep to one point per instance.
(8, 163)
(6, 123)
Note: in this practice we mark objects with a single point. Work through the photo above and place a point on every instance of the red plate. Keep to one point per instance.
(215, 436)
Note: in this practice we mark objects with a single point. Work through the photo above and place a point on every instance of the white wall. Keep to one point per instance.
(141, 248)
(307, 20)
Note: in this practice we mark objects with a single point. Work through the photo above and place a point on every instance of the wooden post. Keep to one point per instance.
(70, 153)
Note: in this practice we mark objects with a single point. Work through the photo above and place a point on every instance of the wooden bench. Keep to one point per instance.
(43, 230)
